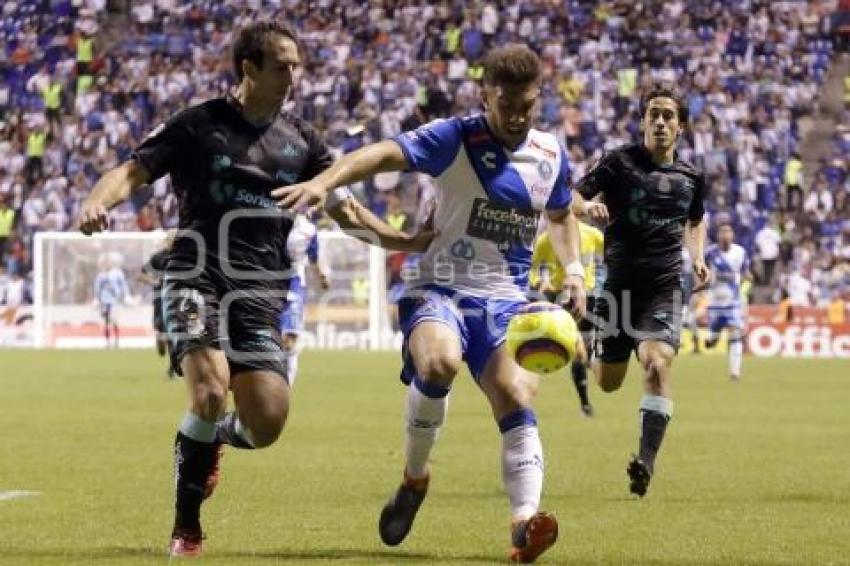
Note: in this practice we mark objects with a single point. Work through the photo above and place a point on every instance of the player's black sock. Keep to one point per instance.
(193, 461)
(653, 424)
(579, 372)
(230, 431)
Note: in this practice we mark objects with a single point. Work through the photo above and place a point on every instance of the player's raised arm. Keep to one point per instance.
(351, 168)
(113, 188)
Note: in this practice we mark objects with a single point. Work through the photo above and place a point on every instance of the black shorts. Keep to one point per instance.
(208, 310)
(635, 316)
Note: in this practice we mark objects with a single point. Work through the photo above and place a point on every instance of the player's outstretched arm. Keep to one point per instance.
(359, 222)
(564, 235)
(351, 168)
(112, 188)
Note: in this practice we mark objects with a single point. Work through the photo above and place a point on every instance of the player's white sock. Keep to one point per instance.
(426, 411)
(736, 353)
(197, 429)
(522, 462)
(291, 358)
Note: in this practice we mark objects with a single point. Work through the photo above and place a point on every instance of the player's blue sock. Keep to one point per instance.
(655, 413)
(230, 430)
(194, 457)
(579, 373)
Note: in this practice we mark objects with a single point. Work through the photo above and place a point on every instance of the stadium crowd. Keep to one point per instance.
(82, 86)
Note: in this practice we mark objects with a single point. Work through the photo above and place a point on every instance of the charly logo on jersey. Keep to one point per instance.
(488, 159)
(501, 224)
(545, 170)
(463, 249)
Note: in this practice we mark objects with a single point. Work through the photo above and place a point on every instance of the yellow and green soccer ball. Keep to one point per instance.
(542, 337)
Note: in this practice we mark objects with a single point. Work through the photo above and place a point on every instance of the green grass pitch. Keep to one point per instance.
(750, 473)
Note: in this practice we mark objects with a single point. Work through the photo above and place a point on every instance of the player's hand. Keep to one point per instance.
(93, 218)
(420, 241)
(573, 297)
(702, 274)
(597, 212)
(301, 195)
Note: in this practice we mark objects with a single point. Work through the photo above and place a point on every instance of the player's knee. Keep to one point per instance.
(265, 427)
(266, 436)
(440, 369)
(609, 385)
(609, 378)
(210, 400)
(655, 368)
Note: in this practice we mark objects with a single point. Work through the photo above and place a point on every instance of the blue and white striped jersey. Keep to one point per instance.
(489, 201)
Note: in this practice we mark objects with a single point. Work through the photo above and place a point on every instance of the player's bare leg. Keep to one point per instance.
(609, 375)
(511, 390)
(196, 450)
(656, 409)
(436, 353)
(262, 406)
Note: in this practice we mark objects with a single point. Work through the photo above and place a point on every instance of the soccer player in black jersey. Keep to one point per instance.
(222, 289)
(654, 202)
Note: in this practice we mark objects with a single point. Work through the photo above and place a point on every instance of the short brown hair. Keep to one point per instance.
(664, 90)
(512, 64)
(252, 41)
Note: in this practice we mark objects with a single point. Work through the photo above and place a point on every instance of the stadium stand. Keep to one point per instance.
(84, 81)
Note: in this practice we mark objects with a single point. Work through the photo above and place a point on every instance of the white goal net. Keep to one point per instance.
(352, 314)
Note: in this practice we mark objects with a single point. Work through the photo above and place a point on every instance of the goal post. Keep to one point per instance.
(352, 314)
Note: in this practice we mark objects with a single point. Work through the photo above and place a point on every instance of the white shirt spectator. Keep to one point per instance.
(799, 290)
(13, 292)
(819, 203)
(767, 243)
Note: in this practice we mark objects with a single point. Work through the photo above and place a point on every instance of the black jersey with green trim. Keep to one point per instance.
(223, 168)
(648, 205)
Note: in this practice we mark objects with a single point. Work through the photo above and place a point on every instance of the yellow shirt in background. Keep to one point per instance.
(592, 246)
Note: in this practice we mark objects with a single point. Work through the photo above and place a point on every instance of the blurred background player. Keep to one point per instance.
(654, 202)
(152, 274)
(495, 176)
(547, 276)
(730, 267)
(302, 246)
(110, 289)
